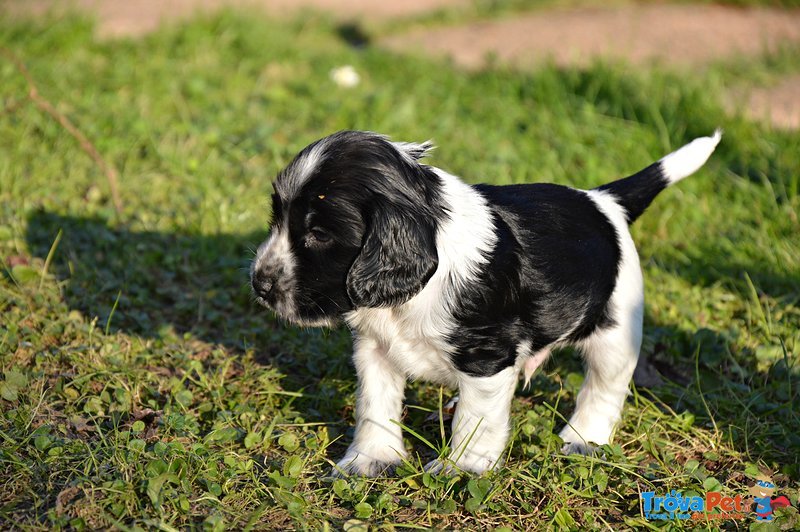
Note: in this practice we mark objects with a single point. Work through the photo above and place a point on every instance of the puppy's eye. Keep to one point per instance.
(317, 236)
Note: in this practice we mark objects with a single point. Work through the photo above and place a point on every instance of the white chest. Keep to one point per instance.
(409, 340)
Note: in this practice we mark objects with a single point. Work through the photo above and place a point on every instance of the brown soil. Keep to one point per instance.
(117, 18)
(779, 105)
(678, 35)
(673, 34)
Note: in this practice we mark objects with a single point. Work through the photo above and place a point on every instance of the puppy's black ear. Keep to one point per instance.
(398, 257)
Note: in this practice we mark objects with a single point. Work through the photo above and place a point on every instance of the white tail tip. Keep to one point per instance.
(688, 159)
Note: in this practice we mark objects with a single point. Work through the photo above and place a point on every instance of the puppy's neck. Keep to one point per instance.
(466, 237)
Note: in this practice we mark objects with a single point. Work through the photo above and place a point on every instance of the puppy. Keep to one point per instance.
(468, 286)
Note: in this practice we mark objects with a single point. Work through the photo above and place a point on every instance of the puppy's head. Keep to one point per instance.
(354, 221)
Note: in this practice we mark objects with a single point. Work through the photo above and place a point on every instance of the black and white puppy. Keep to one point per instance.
(468, 286)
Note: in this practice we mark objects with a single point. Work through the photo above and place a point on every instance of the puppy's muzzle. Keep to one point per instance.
(264, 285)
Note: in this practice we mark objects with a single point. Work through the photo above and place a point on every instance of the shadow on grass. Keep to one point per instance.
(153, 284)
(149, 283)
(708, 264)
(748, 395)
(153, 280)
(706, 386)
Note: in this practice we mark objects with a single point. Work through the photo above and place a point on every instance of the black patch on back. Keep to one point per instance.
(555, 263)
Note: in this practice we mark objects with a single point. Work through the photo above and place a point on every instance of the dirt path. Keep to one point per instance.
(778, 105)
(117, 18)
(679, 35)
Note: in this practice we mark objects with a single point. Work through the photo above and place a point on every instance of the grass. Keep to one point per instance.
(142, 389)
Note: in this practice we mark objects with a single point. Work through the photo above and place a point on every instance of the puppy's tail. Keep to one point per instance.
(635, 193)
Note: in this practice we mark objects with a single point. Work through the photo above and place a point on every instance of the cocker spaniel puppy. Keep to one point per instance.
(469, 286)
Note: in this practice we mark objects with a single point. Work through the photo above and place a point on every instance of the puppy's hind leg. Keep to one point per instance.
(611, 351)
(610, 355)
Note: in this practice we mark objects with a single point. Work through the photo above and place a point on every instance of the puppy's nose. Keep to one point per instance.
(263, 284)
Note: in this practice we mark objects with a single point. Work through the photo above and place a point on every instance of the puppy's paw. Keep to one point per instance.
(358, 464)
(573, 447)
(472, 463)
(574, 443)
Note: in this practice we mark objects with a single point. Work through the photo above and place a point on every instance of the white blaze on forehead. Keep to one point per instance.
(300, 170)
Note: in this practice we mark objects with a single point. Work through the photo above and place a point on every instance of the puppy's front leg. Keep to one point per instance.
(378, 441)
(481, 421)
